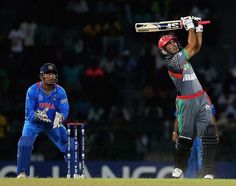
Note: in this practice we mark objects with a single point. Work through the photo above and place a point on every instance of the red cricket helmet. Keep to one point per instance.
(163, 41)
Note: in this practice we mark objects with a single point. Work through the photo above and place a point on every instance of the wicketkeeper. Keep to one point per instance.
(46, 107)
(192, 102)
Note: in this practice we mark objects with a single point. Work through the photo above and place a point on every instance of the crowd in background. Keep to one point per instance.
(115, 79)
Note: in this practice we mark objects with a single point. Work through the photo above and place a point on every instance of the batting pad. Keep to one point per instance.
(209, 144)
(25, 146)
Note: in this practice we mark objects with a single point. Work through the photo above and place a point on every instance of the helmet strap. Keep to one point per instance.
(163, 51)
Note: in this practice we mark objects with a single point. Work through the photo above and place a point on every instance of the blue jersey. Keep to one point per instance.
(37, 99)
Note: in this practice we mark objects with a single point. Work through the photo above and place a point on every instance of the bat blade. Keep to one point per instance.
(158, 26)
(162, 26)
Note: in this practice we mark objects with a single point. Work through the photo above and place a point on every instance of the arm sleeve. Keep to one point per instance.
(63, 104)
(185, 54)
(30, 104)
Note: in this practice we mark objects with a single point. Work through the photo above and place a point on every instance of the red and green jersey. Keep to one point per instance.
(182, 74)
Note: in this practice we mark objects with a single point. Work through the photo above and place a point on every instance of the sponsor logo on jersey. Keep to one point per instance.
(189, 77)
(63, 101)
(186, 66)
(207, 107)
(46, 105)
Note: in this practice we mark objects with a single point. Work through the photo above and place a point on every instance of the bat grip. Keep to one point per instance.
(204, 22)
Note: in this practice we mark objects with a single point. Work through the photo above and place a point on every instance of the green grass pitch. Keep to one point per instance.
(114, 182)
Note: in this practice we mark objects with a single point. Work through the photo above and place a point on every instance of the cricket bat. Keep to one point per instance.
(162, 26)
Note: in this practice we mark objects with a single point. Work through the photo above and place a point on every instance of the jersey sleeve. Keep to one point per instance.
(185, 54)
(63, 104)
(30, 104)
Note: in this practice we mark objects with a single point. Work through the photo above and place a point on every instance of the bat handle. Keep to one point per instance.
(204, 22)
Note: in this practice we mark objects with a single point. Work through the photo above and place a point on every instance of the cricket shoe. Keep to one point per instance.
(22, 175)
(177, 173)
(209, 176)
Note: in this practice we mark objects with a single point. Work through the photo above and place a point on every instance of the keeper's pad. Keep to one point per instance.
(209, 143)
(25, 146)
(183, 147)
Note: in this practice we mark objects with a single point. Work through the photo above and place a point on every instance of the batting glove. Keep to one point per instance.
(57, 120)
(195, 18)
(42, 116)
(187, 22)
(199, 28)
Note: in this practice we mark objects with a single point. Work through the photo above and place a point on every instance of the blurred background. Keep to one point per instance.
(114, 77)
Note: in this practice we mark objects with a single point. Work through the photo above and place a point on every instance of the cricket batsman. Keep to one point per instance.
(192, 102)
(46, 107)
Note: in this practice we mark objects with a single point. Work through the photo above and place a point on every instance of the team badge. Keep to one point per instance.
(207, 107)
(50, 67)
(40, 97)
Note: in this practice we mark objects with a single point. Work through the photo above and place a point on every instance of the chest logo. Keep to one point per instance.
(186, 66)
(40, 97)
(47, 105)
(189, 77)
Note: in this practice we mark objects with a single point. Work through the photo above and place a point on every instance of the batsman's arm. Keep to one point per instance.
(199, 39)
(199, 31)
(192, 46)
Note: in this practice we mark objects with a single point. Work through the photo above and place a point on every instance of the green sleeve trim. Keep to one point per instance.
(186, 54)
(180, 115)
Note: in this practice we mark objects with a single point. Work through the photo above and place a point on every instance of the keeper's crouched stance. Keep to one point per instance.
(46, 108)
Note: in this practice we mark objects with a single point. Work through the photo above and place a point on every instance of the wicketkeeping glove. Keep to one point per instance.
(57, 120)
(42, 115)
(187, 22)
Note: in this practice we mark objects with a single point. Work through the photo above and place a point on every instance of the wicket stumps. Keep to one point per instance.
(79, 150)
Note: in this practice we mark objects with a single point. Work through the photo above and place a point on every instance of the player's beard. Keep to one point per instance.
(174, 49)
(49, 80)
